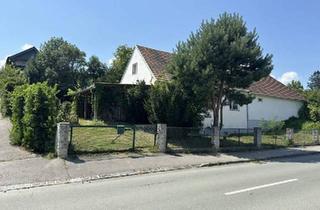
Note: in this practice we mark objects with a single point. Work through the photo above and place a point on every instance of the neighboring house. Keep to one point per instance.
(274, 100)
(20, 59)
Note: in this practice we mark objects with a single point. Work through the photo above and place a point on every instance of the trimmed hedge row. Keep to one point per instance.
(34, 114)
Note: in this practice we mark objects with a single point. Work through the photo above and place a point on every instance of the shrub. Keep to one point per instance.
(168, 104)
(67, 112)
(272, 126)
(294, 122)
(9, 79)
(310, 125)
(39, 120)
(136, 97)
(17, 104)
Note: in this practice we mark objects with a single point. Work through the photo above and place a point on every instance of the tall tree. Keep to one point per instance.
(219, 59)
(96, 69)
(58, 62)
(121, 58)
(295, 85)
(314, 80)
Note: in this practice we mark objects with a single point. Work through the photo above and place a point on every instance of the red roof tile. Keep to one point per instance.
(268, 86)
(156, 60)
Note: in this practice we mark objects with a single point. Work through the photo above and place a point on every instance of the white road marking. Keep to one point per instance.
(261, 186)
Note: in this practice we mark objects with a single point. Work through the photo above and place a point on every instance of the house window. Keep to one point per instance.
(260, 99)
(234, 106)
(134, 68)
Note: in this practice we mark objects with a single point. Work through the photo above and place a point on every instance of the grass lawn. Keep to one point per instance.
(106, 139)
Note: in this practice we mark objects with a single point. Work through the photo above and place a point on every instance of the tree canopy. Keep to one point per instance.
(221, 58)
(314, 80)
(121, 58)
(58, 62)
(96, 69)
(10, 78)
(295, 85)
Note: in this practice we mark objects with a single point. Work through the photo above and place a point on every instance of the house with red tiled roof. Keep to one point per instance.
(273, 100)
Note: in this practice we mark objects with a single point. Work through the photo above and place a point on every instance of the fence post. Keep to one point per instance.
(289, 135)
(62, 139)
(257, 137)
(315, 136)
(162, 137)
(216, 139)
(134, 138)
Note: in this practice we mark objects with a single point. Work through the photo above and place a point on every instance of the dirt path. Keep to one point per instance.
(7, 151)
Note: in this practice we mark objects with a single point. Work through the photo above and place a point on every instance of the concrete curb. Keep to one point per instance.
(89, 179)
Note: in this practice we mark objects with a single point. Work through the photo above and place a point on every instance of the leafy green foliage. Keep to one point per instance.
(58, 62)
(314, 80)
(34, 117)
(220, 57)
(310, 125)
(10, 78)
(272, 126)
(136, 98)
(96, 69)
(17, 103)
(313, 97)
(296, 85)
(167, 104)
(67, 112)
(119, 64)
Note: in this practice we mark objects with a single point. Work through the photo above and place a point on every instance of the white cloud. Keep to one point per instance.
(287, 77)
(110, 61)
(26, 46)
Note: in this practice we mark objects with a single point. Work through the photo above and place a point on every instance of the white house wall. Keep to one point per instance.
(231, 119)
(271, 108)
(143, 71)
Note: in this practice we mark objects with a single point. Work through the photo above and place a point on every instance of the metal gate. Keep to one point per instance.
(111, 138)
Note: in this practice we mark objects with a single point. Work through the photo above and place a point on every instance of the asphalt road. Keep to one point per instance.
(292, 183)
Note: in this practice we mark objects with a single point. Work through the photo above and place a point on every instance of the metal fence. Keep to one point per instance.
(237, 139)
(187, 138)
(281, 138)
(111, 138)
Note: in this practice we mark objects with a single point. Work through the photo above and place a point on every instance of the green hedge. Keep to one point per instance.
(17, 104)
(34, 117)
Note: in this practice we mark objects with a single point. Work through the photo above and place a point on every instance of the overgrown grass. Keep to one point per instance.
(107, 140)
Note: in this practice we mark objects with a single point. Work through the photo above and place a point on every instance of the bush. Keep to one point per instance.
(168, 104)
(310, 125)
(67, 112)
(37, 118)
(17, 104)
(294, 122)
(9, 79)
(272, 126)
(136, 97)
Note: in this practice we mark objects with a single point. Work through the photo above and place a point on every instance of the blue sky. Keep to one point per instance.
(288, 29)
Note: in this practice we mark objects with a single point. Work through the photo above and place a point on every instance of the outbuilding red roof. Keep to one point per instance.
(157, 60)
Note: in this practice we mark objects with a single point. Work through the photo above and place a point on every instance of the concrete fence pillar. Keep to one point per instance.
(257, 137)
(315, 136)
(62, 139)
(216, 138)
(161, 140)
(289, 135)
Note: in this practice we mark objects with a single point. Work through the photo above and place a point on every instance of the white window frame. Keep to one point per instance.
(134, 68)
(234, 106)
